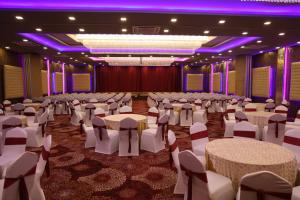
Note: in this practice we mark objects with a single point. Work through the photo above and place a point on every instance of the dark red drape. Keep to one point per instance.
(138, 79)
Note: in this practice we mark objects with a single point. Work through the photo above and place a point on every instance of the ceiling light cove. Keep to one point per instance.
(141, 43)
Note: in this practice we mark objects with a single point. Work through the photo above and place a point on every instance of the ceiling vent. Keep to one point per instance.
(146, 30)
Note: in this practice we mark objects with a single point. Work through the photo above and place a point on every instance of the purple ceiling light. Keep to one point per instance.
(225, 7)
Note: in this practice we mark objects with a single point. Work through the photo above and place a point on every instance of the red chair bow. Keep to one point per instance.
(112, 110)
(260, 194)
(165, 127)
(29, 114)
(281, 111)
(129, 136)
(45, 156)
(190, 174)
(241, 119)
(23, 192)
(42, 125)
(199, 135)
(187, 112)
(277, 125)
(90, 112)
(99, 130)
(7, 126)
(248, 134)
(292, 140)
(250, 109)
(15, 141)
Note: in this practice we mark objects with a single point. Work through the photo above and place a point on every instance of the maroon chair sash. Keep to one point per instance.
(99, 130)
(23, 192)
(281, 111)
(250, 109)
(15, 141)
(125, 112)
(42, 125)
(298, 116)
(198, 104)
(153, 114)
(129, 136)
(100, 115)
(277, 125)
(112, 111)
(7, 105)
(292, 140)
(90, 112)
(7, 126)
(248, 134)
(165, 127)
(235, 103)
(260, 194)
(29, 114)
(76, 104)
(45, 156)
(199, 135)
(190, 174)
(187, 112)
(240, 119)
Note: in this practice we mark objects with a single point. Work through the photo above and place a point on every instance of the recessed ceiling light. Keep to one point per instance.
(166, 30)
(71, 58)
(107, 55)
(219, 54)
(230, 59)
(277, 47)
(45, 58)
(25, 40)
(174, 20)
(259, 41)
(58, 53)
(212, 56)
(206, 32)
(198, 54)
(245, 33)
(123, 19)
(124, 30)
(260, 51)
(45, 48)
(242, 47)
(222, 21)
(129, 55)
(298, 42)
(206, 59)
(229, 51)
(71, 18)
(281, 34)
(18, 17)
(150, 55)
(267, 23)
(172, 56)
(86, 55)
(76, 60)
(7, 47)
(81, 29)
(38, 29)
(82, 53)
(192, 56)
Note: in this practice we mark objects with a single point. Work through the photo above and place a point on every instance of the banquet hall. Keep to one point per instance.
(150, 100)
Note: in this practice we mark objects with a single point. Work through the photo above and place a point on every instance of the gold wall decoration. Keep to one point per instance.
(194, 82)
(295, 81)
(13, 82)
(260, 81)
(81, 82)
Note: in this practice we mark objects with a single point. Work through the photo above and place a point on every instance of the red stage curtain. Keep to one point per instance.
(138, 79)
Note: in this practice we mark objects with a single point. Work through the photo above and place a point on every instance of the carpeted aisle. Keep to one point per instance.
(82, 174)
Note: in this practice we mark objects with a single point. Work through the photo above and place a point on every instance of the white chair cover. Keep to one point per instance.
(275, 130)
(152, 118)
(174, 115)
(186, 115)
(245, 129)
(250, 107)
(128, 138)
(36, 134)
(43, 163)
(199, 138)
(125, 110)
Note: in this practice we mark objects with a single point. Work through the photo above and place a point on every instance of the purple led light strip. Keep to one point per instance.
(286, 55)
(48, 76)
(226, 76)
(63, 77)
(212, 78)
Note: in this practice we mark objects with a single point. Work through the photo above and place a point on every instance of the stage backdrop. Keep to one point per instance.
(138, 79)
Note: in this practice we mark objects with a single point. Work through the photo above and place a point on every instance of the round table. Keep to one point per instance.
(36, 106)
(113, 121)
(260, 106)
(235, 158)
(23, 118)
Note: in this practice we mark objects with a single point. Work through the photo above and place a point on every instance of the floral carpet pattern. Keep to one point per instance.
(81, 174)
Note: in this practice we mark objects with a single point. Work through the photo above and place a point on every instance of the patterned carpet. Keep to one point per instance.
(82, 174)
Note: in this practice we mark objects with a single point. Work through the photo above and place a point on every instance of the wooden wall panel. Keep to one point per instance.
(260, 82)
(295, 81)
(81, 82)
(44, 82)
(58, 82)
(231, 82)
(13, 82)
(194, 82)
(217, 82)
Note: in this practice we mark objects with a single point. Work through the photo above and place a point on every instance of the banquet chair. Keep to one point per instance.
(27, 101)
(240, 116)
(77, 116)
(199, 138)
(18, 108)
(202, 184)
(275, 130)
(76, 104)
(264, 184)
(229, 121)
(7, 105)
(281, 110)
(9, 123)
(270, 107)
(285, 103)
(296, 121)
(89, 113)
(58, 107)
(186, 115)
(35, 134)
(152, 117)
(30, 114)
(174, 151)
(99, 112)
(245, 129)
(93, 100)
(125, 110)
(198, 104)
(291, 141)
(110, 101)
(269, 101)
(165, 101)
(107, 140)
(20, 179)
(250, 107)
(113, 109)
(200, 116)
(183, 100)
(14, 145)
(174, 115)
(128, 138)
(43, 163)
(248, 100)
(153, 140)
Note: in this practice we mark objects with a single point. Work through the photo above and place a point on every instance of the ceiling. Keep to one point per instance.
(56, 25)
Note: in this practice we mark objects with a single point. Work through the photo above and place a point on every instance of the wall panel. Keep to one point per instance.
(217, 82)
(231, 82)
(295, 81)
(58, 82)
(194, 82)
(44, 82)
(81, 82)
(13, 82)
(260, 82)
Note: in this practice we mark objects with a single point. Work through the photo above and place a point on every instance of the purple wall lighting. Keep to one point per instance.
(53, 83)
(285, 73)
(226, 76)
(48, 77)
(212, 67)
(271, 82)
(63, 77)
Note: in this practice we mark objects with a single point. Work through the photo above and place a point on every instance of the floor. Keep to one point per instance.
(82, 174)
